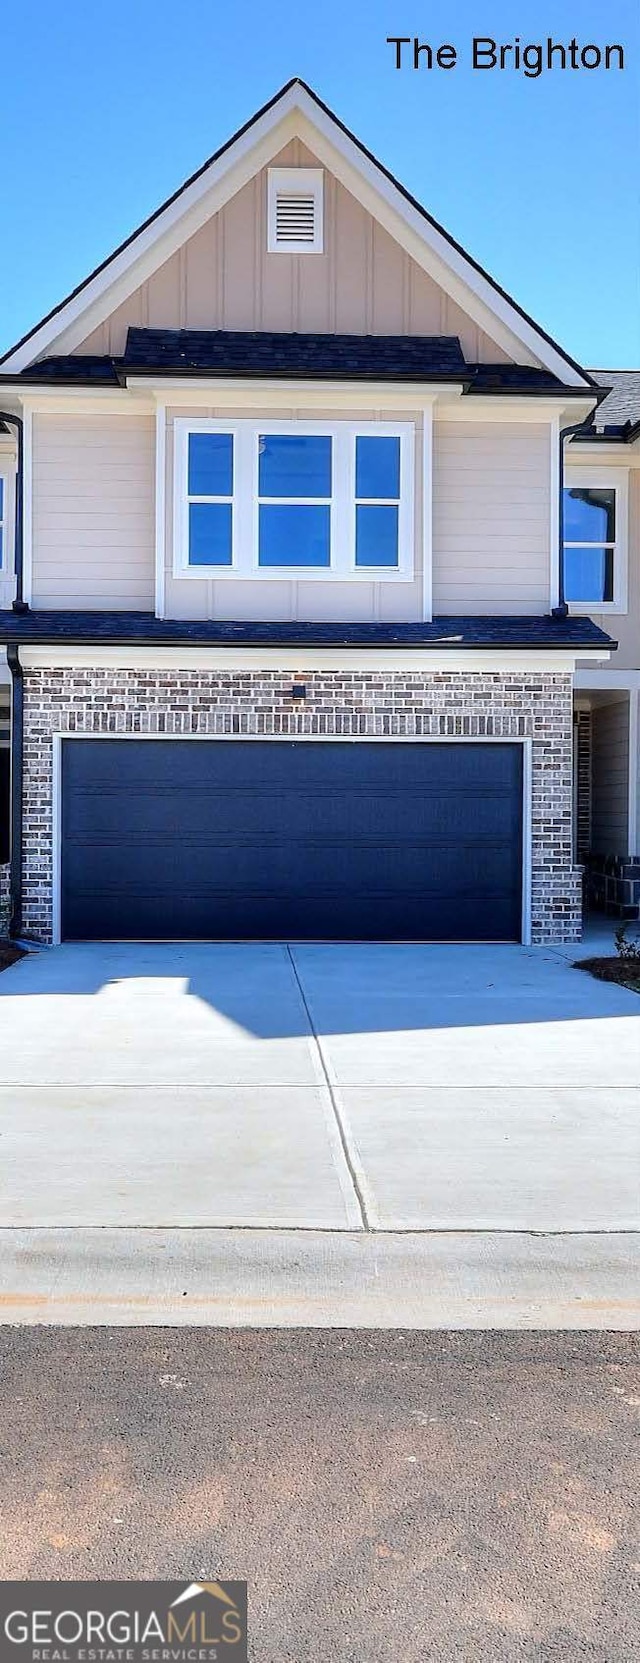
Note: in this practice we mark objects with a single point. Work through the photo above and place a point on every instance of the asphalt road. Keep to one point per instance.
(391, 1497)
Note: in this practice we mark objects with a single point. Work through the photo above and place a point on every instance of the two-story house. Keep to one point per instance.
(284, 593)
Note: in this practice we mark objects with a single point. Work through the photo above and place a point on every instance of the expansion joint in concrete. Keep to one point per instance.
(347, 1149)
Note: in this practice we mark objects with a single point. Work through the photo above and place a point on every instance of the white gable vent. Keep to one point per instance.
(295, 210)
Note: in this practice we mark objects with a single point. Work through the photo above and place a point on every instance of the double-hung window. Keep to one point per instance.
(378, 498)
(595, 509)
(294, 499)
(294, 496)
(210, 465)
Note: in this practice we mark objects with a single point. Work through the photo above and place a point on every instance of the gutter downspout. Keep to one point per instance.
(585, 426)
(17, 730)
(562, 610)
(19, 604)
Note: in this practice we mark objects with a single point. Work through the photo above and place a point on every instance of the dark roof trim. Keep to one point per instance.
(626, 435)
(444, 633)
(192, 354)
(296, 80)
(118, 379)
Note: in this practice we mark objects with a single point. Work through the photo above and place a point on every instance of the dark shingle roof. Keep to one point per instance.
(267, 353)
(621, 407)
(294, 356)
(517, 378)
(119, 628)
(80, 369)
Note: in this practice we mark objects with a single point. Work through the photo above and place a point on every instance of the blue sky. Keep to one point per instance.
(106, 110)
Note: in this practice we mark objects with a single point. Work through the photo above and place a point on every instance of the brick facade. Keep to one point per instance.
(5, 899)
(583, 748)
(359, 703)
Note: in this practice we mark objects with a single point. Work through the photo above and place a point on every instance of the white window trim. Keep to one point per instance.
(308, 181)
(245, 532)
(596, 477)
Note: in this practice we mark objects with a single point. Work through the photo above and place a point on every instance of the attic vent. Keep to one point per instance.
(295, 217)
(295, 210)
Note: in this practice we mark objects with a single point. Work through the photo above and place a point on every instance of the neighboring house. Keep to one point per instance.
(603, 481)
(289, 650)
(7, 591)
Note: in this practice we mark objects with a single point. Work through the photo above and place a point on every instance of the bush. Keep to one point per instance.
(629, 950)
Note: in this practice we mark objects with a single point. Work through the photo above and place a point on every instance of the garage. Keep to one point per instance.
(282, 839)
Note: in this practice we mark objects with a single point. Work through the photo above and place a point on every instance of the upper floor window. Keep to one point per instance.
(294, 499)
(595, 540)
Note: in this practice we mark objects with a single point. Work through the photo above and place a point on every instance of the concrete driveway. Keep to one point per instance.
(331, 1088)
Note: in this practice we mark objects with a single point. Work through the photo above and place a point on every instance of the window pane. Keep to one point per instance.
(588, 574)
(210, 464)
(295, 536)
(377, 467)
(1, 497)
(294, 465)
(376, 536)
(210, 533)
(589, 515)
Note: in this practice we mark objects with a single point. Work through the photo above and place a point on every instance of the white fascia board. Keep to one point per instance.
(510, 408)
(73, 401)
(591, 455)
(600, 678)
(292, 659)
(249, 391)
(296, 114)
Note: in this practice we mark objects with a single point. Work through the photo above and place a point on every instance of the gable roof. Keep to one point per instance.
(223, 174)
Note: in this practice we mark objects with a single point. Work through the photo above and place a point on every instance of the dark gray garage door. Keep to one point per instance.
(249, 839)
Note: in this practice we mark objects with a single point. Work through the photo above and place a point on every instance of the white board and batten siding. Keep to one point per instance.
(93, 532)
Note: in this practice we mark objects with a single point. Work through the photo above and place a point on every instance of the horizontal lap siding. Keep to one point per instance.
(610, 792)
(491, 518)
(93, 512)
